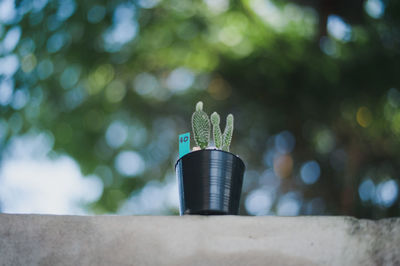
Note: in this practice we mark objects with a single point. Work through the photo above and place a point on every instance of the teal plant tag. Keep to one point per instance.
(184, 144)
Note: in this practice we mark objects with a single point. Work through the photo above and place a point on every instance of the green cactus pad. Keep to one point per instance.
(201, 126)
(227, 137)
(215, 119)
(199, 106)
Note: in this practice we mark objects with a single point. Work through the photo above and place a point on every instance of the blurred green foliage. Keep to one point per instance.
(316, 97)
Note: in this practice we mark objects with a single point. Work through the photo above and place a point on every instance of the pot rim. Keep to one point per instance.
(211, 150)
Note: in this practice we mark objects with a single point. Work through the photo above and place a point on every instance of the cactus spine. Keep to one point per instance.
(216, 130)
(201, 126)
(227, 137)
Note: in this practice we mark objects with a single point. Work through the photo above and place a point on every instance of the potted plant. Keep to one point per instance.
(210, 178)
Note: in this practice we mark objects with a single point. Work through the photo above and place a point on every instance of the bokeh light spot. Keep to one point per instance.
(116, 134)
(100, 78)
(269, 179)
(53, 22)
(129, 163)
(364, 116)
(328, 46)
(339, 29)
(387, 193)
(70, 76)
(20, 99)
(138, 135)
(289, 205)
(180, 79)
(8, 12)
(75, 97)
(28, 63)
(259, 202)
(269, 13)
(366, 190)
(325, 141)
(9, 65)
(60, 187)
(230, 35)
(45, 68)
(26, 46)
(56, 42)
(65, 9)
(10, 40)
(374, 8)
(283, 166)
(115, 91)
(155, 197)
(284, 142)
(310, 172)
(124, 28)
(145, 84)
(6, 91)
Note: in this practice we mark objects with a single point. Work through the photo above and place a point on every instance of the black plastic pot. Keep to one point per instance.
(210, 182)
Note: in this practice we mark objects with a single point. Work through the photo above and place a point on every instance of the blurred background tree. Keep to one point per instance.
(107, 86)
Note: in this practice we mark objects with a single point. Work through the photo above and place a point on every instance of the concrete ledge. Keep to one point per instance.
(197, 240)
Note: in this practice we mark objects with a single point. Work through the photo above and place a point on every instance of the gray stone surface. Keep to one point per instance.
(197, 240)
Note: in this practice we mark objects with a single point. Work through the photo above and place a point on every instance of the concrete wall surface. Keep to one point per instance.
(197, 240)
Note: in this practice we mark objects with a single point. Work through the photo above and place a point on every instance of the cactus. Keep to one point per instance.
(227, 137)
(201, 126)
(201, 129)
(216, 130)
